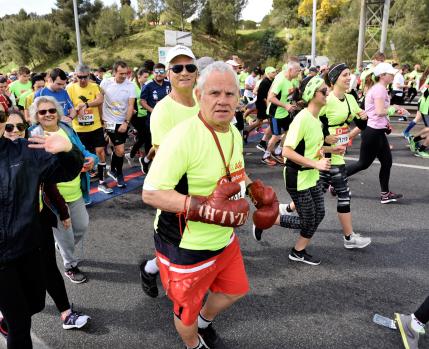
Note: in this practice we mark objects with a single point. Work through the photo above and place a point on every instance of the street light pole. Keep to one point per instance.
(76, 24)
(313, 35)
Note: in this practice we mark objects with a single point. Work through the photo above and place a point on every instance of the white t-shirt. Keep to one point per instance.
(116, 97)
(398, 82)
(250, 81)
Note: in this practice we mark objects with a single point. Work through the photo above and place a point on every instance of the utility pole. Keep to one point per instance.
(384, 25)
(76, 24)
(313, 35)
(361, 41)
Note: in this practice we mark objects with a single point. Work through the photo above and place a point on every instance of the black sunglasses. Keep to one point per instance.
(324, 91)
(3, 116)
(178, 68)
(45, 111)
(20, 127)
(83, 77)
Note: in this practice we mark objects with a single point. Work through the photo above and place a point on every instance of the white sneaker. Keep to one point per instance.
(129, 159)
(356, 241)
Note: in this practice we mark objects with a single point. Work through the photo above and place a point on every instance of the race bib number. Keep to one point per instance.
(109, 126)
(343, 135)
(86, 119)
(236, 177)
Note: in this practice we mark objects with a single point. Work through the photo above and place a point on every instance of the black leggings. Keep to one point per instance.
(310, 206)
(54, 281)
(422, 314)
(337, 177)
(142, 126)
(374, 145)
(22, 294)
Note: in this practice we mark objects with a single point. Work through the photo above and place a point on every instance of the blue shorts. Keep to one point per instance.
(280, 126)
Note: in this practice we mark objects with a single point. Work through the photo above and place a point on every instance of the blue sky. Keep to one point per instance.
(255, 10)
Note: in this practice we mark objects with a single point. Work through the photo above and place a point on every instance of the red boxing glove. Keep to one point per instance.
(265, 200)
(218, 208)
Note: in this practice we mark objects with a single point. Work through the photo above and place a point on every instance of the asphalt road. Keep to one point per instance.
(290, 305)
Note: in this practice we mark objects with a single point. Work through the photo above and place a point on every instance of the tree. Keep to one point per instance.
(284, 14)
(125, 3)
(328, 10)
(151, 9)
(182, 9)
(109, 26)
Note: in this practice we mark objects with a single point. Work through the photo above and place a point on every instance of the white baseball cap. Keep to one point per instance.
(384, 68)
(179, 50)
(233, 63)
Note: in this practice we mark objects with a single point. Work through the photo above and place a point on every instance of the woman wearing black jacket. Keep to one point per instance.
(23, 166)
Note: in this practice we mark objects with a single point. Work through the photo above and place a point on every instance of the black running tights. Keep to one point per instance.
(374, 144)
(422, 314)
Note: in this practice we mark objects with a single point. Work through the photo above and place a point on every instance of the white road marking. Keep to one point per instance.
(394, 164)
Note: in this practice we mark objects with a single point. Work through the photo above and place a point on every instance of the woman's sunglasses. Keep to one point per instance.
(178, 68)
(324, 91)
(45, 111)
(20, 127)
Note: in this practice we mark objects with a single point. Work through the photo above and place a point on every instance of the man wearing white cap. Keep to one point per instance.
(176, 107)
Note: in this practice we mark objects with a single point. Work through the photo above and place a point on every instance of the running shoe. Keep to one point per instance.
(121, 182)
(406, 135)
(112, 174)
(211, 338)
(402, 118)
(129, 159)
(356, 241)
(278, 158)
(75, 320)
(149, 285)
(421, 154)
(390, 197)
(303, 257)
(144, 165)
(283, 211)
(104, 188)
(410, 337)
(75, 275)
(3, 328)
(261, 147)
(257, 233)
(413, 145)
(269, 162)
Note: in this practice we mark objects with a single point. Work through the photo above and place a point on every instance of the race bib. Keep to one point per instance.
(86, 119)
(109, 126)
(237, 177)
(343, 135)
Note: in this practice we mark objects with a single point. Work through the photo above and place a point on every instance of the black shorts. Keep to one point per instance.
(279, 125)
(92, 139)
(262, 112)
(117, 138)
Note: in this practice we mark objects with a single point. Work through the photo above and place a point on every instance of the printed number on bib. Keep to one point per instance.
(109, 126)
(343, 135)
(237, 177)
(86, 119)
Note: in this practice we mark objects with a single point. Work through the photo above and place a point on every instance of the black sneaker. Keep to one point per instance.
(211, 338)
(149, 285)
(75, 275)
(121, 182)
(3, 328)
(304, 257)
(144, 165)
(389, 197)
(257, 233)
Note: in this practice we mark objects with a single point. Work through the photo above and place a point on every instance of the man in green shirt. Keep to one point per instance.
(242, 79)
(20, 86)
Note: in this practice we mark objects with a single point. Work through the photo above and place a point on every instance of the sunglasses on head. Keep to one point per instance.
(3, 116)
(160, 71)
(20, 127)
(45, 111)
(178, 68)
(83, 77)
(324, 91)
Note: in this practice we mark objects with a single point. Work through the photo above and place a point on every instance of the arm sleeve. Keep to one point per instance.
(57, 200)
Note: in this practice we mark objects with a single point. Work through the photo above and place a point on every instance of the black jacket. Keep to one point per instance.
(21, 171)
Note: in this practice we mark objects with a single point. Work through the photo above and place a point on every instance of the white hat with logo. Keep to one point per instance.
(179, 50)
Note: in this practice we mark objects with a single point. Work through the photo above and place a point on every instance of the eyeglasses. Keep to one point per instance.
(3, 116)
(20, 127)
(324, 91)
(178, 68)
(45, 111)
(83, 77)
(161, 71)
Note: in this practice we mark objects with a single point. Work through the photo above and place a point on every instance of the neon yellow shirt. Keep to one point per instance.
(18, 88)
(305, 136)
(190, 150)
(167, 114)
(88, 119)
(141, 112)
(70, 191)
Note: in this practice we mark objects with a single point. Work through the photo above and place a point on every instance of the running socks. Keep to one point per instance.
(151, 267)
(416, 325)
(348, 237)
(100, 168)
(409, 127)
(146, 160)
(203, 323)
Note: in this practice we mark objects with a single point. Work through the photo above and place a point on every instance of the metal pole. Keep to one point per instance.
(361, 41)
(313, 35)
(76, 24)
(384, 25)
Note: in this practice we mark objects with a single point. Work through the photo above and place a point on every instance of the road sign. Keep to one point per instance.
(162, 54)
(173, 38)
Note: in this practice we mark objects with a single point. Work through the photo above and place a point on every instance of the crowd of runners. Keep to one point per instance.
(61, 131)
